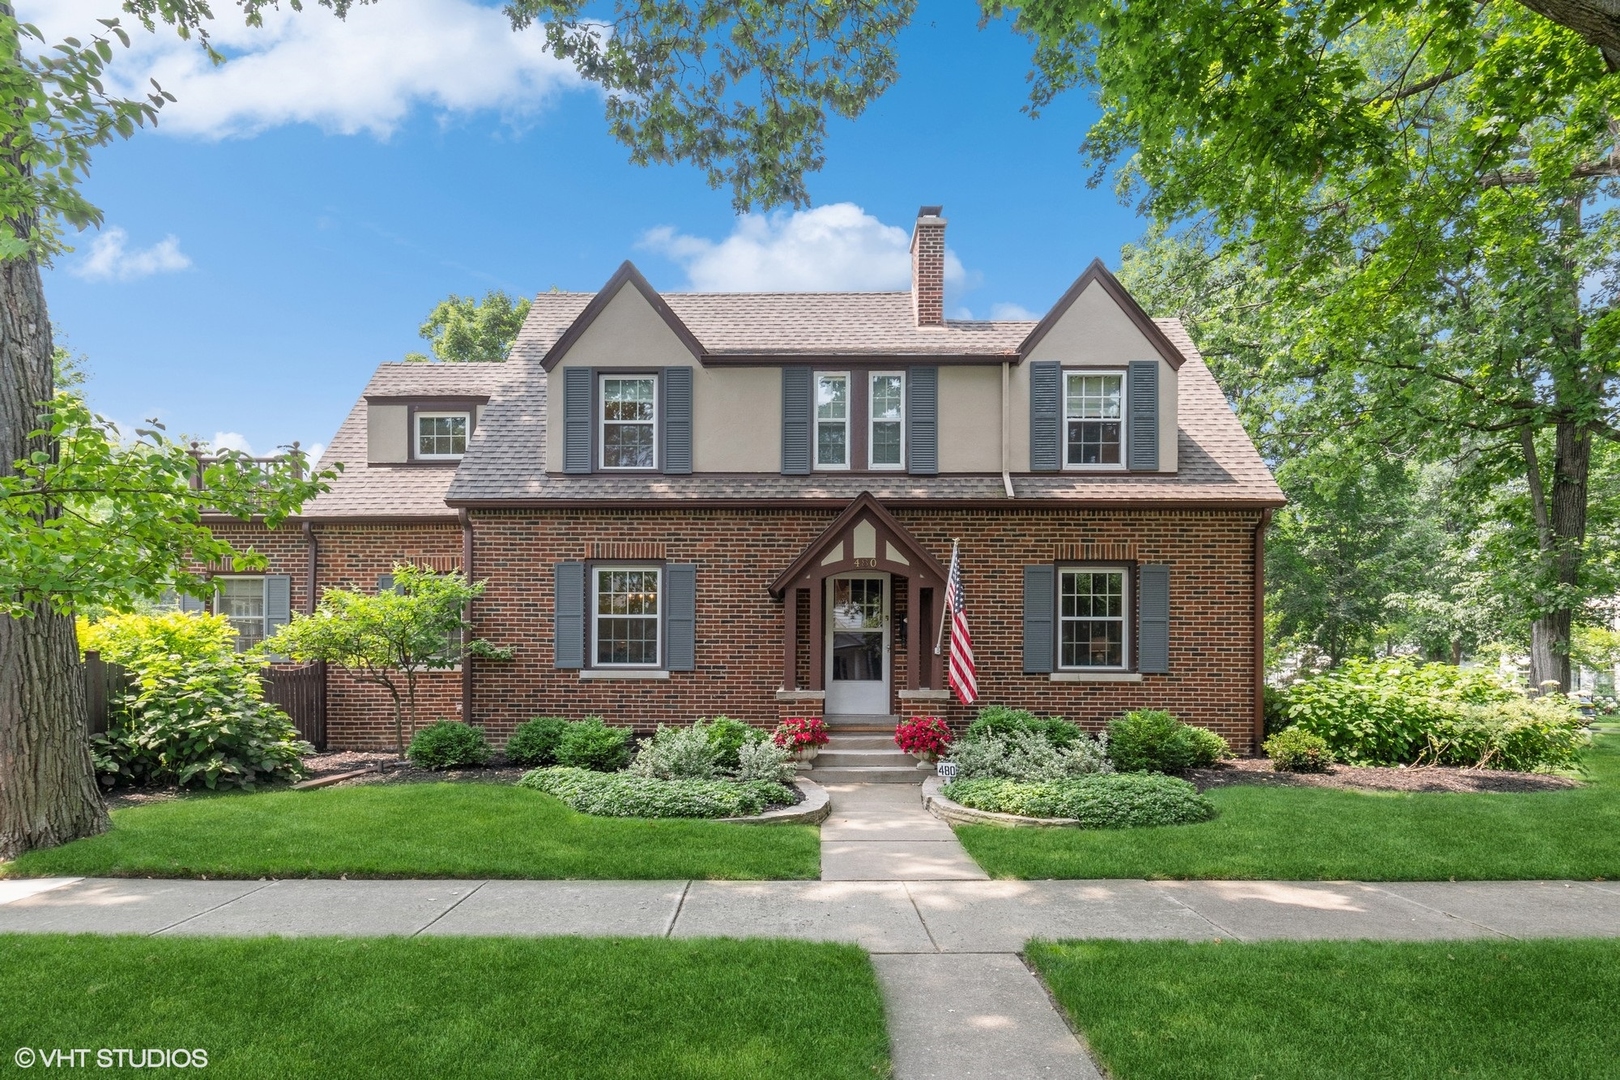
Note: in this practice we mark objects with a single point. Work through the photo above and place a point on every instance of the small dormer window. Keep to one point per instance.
(629, 422)
(441, 435)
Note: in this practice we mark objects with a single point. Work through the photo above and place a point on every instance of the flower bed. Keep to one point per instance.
(629, 795)
(1097, 801)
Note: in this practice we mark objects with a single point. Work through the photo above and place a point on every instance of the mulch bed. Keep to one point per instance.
(1367, 778)
(391, 770)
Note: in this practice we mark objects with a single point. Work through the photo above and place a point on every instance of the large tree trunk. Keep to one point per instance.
(1550, 633)
(48, 790)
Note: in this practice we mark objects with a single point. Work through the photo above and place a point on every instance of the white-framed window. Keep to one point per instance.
(241, 600)
(1091, 617)
(629, 422)
(626, 609)
(442, 434)
(832, 419)
(1094, 419)
(886, 434)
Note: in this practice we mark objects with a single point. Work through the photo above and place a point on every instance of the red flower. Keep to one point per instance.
(928, 735)
(798, 732)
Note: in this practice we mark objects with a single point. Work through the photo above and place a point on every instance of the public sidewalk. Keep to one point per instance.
(960, 1002)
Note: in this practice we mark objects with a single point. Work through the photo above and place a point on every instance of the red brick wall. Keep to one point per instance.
(739, 635)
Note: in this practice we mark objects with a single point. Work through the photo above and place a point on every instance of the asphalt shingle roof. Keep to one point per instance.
(364, 490)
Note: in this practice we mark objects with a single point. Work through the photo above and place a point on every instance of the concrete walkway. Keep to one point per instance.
(961, 1004)
(882, 832)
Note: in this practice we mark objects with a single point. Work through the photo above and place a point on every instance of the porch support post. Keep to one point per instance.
(936, 661)
(790, 638)
(818, 634)
(917, 638)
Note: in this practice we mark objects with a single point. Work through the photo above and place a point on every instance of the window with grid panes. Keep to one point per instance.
(1091, 617)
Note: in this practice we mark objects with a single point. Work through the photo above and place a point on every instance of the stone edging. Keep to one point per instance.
(957, 814)
(813, 810)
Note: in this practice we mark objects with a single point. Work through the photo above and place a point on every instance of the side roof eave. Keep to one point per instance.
(626, 274)
(1099, 274)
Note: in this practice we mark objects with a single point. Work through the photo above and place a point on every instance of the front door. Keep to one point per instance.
(858, 645)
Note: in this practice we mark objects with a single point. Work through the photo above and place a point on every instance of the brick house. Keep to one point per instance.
(689, 504)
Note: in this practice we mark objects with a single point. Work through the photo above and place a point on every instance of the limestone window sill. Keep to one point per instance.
(622, 673)
(925, 695)
(1096, 676)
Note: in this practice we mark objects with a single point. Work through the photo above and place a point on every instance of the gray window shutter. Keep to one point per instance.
(385, 583)
(277, 602)
(1142, 454)
(1153, 620)
(922, 421)
(1045, 417)
(577, 420)
(568, 620)
(678, 420)
(190, 603)
(680, 617)
(1040, 591)
(796, 421)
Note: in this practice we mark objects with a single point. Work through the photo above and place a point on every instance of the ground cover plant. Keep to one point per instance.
(1490, 1010)
(438, 830)
(456, 1007)
(1305, 833)
(629, 795)
(1003, 721)
(1397, 711)
(1151, 740)
(195, 715)
(1098, 801)
(447, 744)
(1027, 756)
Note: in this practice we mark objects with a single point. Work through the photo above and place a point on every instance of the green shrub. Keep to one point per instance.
(1099, 801)
(195, 715)
(999, 720)
(1151, 740)
(534, 743)
(1297, 750)
(678, 753)
(591, 744)
(448, 744)
(628, 795)
(729, 736)
(764, 760)
(1397, 712)
(1027, 756)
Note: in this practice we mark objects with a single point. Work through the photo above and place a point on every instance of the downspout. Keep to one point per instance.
(310, 573)
(1260, 628)
(467, 615)
(1006, 427)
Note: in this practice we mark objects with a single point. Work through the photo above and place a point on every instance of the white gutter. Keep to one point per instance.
(1006, 427)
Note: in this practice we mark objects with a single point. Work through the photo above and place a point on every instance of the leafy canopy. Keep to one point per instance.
(106, 523)
(464, 330)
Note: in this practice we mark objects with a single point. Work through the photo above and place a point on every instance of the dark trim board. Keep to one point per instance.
(1099, 274)
(840, 501)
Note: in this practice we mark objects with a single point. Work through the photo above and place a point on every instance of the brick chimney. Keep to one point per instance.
(928, 267)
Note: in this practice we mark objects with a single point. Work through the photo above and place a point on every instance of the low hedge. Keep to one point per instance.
(448, 744)
(1151, 740)
(628, 795)
(1099, 801)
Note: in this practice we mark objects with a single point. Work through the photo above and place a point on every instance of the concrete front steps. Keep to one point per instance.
(861, 750)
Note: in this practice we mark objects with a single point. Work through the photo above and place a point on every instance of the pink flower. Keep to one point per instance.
(924, 735)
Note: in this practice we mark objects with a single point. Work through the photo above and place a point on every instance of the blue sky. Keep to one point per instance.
(298, 213)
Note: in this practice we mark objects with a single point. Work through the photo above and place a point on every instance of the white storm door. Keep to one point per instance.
(858, 645)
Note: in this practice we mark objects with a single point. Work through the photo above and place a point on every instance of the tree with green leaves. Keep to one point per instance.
(84, 518)
(389, 638)
(464, 330)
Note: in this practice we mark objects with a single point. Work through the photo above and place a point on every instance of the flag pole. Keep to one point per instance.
(939, 639)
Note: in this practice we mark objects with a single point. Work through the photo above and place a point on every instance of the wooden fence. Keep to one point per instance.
(300, 692)
(103, 684)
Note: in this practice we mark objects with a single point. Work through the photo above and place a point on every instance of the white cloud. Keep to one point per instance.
(110, 259)
(365, 73)
(838, 247)
(1012, 313)
(231, 440)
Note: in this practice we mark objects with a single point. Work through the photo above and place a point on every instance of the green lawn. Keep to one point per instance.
(1488, 1009)
(452, 1007)
(1320, 833)
(466, 830)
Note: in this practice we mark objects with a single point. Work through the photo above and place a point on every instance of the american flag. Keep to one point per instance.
(963, 677)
